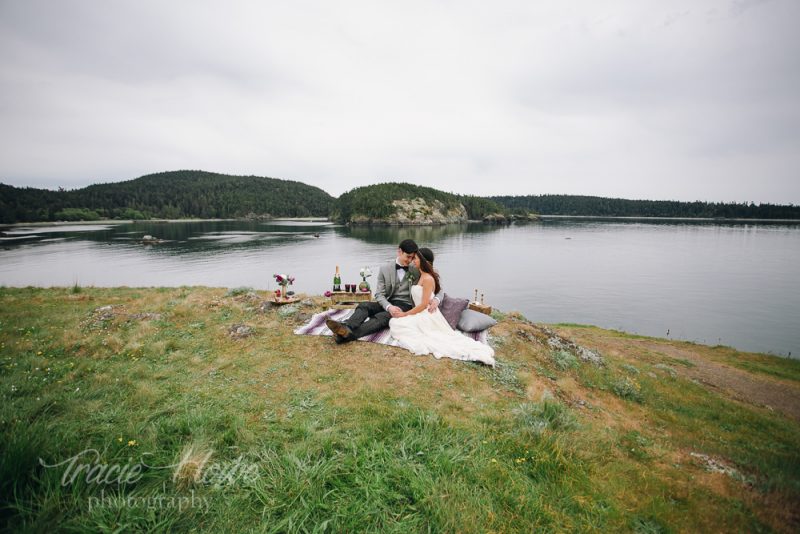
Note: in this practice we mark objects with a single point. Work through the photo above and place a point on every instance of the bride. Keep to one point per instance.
(429, 333)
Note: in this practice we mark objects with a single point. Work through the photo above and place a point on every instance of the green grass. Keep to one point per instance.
(563, 360)
(783, 368)
(299, 435)
(627, 388)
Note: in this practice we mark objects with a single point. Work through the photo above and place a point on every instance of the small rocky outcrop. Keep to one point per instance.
(528, 217)
(252, 216)
(556, 342)
(500, 218)
(240, 331)
(417, 211)
(495, 218)
(145, 316)
(114, 314)
(287, 311)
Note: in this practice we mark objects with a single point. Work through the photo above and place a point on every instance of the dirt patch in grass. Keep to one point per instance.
(775, 509)
(759, 390)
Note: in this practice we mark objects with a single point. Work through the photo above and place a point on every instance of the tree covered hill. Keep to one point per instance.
(620, 207)
(200, 194)
(375, 201)
(170, 195)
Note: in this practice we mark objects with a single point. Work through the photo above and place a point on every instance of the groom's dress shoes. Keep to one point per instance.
(340, 330)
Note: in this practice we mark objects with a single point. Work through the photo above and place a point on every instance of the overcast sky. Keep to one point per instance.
(680, 99)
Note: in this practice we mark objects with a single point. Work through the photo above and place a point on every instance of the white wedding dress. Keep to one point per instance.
(430, 333)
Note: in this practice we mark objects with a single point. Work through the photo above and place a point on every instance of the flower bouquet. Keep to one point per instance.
(283, 281)
(364, 285)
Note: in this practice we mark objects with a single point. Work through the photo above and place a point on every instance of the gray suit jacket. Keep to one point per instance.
(388, 282)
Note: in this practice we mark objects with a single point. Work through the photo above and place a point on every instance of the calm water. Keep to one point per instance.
(732, 284)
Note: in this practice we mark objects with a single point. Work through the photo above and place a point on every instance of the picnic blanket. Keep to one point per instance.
(316, 327)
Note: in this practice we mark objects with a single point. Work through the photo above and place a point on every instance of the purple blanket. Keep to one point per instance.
(316, 327)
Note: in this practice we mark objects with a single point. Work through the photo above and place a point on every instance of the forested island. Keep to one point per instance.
(403, 203)
(168, 195)
(199, 194)
(620, 207)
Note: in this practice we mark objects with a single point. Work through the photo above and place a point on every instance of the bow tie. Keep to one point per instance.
(403, 267)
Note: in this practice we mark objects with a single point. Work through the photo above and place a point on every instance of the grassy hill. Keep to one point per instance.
(239, 425)
(375, 201)
(170, 195)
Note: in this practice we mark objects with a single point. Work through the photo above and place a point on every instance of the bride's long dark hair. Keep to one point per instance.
(425, 256)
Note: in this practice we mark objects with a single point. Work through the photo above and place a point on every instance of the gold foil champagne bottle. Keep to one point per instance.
(337, 280)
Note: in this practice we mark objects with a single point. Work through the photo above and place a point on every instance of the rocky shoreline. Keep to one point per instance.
(419, 212)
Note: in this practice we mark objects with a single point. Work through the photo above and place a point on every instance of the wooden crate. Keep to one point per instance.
(483, 308)
(345, 299)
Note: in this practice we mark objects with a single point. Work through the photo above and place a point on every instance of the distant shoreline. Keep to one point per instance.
(130, 221)
(711, 219)
(326, 220)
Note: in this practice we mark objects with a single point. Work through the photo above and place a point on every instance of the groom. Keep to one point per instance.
(392, 297)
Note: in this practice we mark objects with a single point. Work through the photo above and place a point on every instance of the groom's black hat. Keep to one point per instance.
(408, 246)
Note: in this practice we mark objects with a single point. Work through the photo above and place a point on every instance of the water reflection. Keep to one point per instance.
(174, 238)
(180, 238)
(423, 235)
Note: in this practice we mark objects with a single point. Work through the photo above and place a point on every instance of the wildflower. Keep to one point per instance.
(39, 353)
(132, 443)
(494, 460)
(119, 439)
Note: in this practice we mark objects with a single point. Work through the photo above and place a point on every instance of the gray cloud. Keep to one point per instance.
(635, 99)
